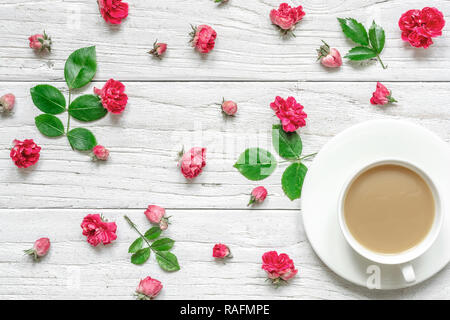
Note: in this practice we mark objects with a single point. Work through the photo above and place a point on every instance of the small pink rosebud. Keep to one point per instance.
(329, 57)
(229, 107)
(148, 289)
(258, 195)
(40, 42)
(7, 102)
(221, 251)
(155, 213)
(381, 95)
(40, 248)
(100, 153)
(158, 49)
(163, 224)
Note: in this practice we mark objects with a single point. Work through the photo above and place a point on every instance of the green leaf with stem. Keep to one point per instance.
(48, 99)
(136, 245)
(292, 180)
(354, 30)
(164, 244)
(80, 67)
(256, 164)
(81, 139)
(87, 108)
(167, 261)
(287, 144)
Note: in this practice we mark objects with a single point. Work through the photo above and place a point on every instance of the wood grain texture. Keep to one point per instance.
(248, 46)
(74, 270)
(144, 142)
(173, 102)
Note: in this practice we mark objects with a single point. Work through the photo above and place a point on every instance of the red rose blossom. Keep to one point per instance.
(192, 162)
(25, 153)
(40, 248)
(148, 289)
(420, 26)
(113, 11)
(97, 230)
(290, 112)
(286, 17)
(203, 38)
(382, 95)
(279, 268)
(221, 251)
(114, 99)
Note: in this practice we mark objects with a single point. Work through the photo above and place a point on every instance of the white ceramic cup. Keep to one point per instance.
(402, 259)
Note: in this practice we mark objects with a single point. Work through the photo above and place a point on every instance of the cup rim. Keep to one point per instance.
(409, 254)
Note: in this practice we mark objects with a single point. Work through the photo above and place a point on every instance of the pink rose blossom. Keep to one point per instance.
(279, 268)
(329, 57)
(7, 102)
(290, 113)
(113, 11)
(221, 251)
(40, 248)
(148, 289)
(192, 162)
(229, 107)
(113, 96)
(25, 153)
(158, 49)
(286, 17)
(258, 195)
(381, 95)
(40, 42)
(98, 230)
(420, 26)
(154, 213)
(203, 38)
(100, 153)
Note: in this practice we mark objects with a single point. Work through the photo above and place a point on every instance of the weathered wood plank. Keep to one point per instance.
(144, 142)
(248, 46)
(75, 270)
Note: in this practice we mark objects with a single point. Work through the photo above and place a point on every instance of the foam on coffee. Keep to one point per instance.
(389, 209)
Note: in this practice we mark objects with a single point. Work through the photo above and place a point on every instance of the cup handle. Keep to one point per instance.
(408, 272)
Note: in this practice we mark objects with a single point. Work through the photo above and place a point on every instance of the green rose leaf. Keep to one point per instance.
(140, 256)
(354, 31)
(287, 144)
(81, 139)
(48, 99)
(49, 125)
(163, 244)
(256, 164)
(136, 245)
(80, 67)
(153, 233)
(377, 37)
(87, 108)
(361, 53)
(292, 180)
(167, 260)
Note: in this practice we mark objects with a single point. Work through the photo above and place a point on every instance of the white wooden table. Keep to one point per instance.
(171, 103)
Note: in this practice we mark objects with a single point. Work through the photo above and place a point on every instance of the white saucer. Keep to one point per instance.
(342, 156)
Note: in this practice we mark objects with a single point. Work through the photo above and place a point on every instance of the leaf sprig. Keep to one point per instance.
(79, 70)
(166, 260)
(257, 164)
(370, 43)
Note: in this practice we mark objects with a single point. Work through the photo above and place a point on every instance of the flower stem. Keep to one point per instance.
(68, 114)
(308, 156)
(382, 64)
(132, 225)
